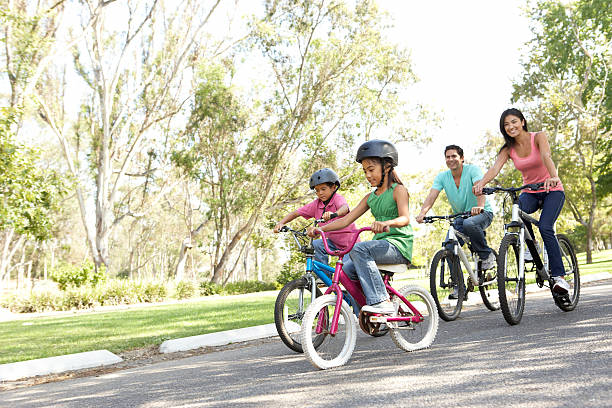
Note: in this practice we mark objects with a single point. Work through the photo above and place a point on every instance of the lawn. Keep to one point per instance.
(124, 330)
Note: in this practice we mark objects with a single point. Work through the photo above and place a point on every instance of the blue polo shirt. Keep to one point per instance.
(461, 199)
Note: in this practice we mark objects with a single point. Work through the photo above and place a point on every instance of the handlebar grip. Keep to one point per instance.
(488, 190)
(284, 228)
(535, 186)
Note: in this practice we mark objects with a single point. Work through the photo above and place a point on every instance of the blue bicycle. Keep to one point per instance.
(294, 298)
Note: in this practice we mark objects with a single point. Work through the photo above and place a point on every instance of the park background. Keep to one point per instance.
(147, 147)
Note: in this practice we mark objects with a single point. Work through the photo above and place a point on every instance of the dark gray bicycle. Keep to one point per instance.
(511, 264)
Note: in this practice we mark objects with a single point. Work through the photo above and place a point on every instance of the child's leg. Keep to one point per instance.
(320, 253)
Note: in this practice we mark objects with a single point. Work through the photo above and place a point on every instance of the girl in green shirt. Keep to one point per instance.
(392, 241)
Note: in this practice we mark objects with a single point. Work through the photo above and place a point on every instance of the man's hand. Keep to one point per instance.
(277, 227)
(476, 210)
(419, 218)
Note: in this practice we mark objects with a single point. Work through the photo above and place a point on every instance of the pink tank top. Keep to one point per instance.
(532, 167)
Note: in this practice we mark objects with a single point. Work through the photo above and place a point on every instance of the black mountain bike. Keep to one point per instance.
(511, 264)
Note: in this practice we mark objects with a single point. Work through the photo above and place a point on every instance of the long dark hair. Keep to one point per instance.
(392, 174)
(509, 142)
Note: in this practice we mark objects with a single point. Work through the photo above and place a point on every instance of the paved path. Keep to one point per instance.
(551, 359)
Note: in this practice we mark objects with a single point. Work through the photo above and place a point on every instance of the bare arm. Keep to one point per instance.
(502, 158)
(429, 202)
(341, 212)
(288, 218)
(345, 221)
(542, 143)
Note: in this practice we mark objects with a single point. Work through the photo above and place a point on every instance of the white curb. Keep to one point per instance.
(219, 338)
(58, 364)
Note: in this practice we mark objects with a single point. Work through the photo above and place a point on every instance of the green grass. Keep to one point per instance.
(124, 330)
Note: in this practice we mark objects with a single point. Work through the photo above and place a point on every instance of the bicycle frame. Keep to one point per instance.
(457, 250)
(355, 290)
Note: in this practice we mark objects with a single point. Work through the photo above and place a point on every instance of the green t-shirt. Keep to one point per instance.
(384, 208)
(461, 199)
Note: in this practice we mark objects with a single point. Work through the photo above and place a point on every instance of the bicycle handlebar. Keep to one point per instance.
(348, 248)
(434, 218)
(491, 190)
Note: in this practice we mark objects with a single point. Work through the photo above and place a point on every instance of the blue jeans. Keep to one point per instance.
(551, 204)
(474, 228)
(322, 256)
(362, 266)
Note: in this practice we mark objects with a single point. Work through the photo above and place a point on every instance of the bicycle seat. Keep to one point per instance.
(392, 268)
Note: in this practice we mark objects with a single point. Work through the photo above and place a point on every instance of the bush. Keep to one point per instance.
(154, 292)
(66, 274)
(210, 288)
(248, 287)
(84, 297)
(185, 290)
(118, 292)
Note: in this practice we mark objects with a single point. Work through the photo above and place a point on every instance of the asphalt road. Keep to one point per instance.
(551, 359)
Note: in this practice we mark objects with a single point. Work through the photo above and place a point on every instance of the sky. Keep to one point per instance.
(466, 54)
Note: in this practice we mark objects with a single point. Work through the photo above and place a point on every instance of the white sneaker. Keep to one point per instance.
(527, 255)
(490, 262)
(385, 307)
(561, 286)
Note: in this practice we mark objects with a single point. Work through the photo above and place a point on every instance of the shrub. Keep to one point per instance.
(154, 292)
(66, 274)
(84, 297)
(247, 287)
(185, 290)
(118, 292)
(209, 288)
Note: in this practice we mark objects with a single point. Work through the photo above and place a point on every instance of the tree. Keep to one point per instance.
(134, 63)
(566, 88)
(334, 78)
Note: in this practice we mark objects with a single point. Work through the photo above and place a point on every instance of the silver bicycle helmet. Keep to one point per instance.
(325, 175)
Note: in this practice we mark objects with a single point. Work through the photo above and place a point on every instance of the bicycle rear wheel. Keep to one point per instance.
(572, 275)
(511, 286)
(289, 309)
(335, 350)
(415, 336)
(444, 276)
(489, 289)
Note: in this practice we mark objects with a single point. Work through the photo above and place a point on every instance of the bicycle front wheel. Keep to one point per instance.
(572, 275)
(446, 284)
(411, 336)
(289, 309)
(335, 350)
(489, 288)
(511, 285)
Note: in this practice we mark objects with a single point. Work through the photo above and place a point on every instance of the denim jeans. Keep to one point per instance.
(362, 266)
(322, 256)
(474, 228)
(551, 204)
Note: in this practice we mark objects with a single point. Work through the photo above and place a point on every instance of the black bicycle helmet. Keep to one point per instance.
(325, 175)
(377, 148)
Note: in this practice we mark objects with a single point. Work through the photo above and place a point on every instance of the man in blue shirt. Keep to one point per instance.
(457, 183)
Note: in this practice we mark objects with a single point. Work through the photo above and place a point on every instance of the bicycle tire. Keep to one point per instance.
(511, 288)
(490, 293)
(441, 275)
(288, 311)
(570, 264)
(424, 332)
(336, 350)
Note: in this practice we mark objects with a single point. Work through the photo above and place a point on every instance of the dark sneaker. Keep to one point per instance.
(560, 287)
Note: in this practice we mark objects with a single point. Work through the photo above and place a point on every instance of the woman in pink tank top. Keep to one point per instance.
(530, 153)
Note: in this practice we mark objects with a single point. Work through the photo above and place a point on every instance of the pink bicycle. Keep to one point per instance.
(412, 327)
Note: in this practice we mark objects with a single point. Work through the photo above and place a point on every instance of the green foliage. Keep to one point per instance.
(208, 288)
(66, 274)
(292, 269)
(185, 290)
(29, 194)
(247, 287)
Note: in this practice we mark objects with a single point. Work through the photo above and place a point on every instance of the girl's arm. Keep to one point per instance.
(542, 143)
(345, 221)
(502, 158)
(342, 211)
(400, 195)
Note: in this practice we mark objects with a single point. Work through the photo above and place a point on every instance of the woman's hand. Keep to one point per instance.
(551, 182)
(313, 232)
(379, 226)
(478, 186)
